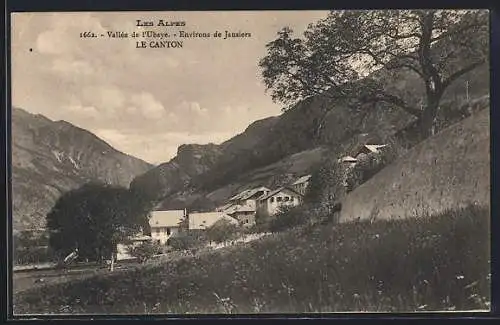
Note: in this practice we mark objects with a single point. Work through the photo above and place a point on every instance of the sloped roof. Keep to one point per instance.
(348, 159)
(248, 193)
(240, 208)
(203, 220)
(276, 191)
(375, 147)
(370, 147)
(226, 207)
(168, 218)
(237, 196)
(302, 179)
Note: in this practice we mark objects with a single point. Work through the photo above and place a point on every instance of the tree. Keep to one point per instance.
(186, 241)
(94, 218)
(145, 251)
(288, 217)
(338, 54)
(221, 231)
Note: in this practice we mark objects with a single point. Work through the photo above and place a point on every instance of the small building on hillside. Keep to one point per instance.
(244, 214)
(269, 204)
(301, 184)
(203, 220)
(348, 161)
(165, 224)
(249, 197)
(367, 149)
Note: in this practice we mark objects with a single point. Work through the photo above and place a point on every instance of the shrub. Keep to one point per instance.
(288, 217)
(186, 241)
(327, 182)
(370, 164)
(145, 251)
(222, 231)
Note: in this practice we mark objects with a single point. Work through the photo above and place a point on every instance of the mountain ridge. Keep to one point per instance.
(51, 157)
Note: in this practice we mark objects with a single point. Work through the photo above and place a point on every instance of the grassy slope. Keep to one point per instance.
(448, 170)
(438, 263)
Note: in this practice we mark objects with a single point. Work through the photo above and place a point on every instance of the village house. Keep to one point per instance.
(300, 185)
(367, 149)
(269, 204)
(348, 161)
(244, 214)
(243, 206)
(249, 197)
(165, 224)
(203, 220)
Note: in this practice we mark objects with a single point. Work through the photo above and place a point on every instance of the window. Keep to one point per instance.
(287, 198)
(279, 199)
(168, 231)
(157, 231)
(271, 200)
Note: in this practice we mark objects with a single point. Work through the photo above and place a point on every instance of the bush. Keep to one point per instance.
(145, 251)
(327, 183)
(371, 164)
(186, 241)
(32, 248)
(288, 217)
(222, 231)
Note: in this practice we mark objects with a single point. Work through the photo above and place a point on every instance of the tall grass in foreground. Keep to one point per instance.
(428, 263)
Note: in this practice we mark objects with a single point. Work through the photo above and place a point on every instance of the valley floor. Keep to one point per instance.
(425, 264)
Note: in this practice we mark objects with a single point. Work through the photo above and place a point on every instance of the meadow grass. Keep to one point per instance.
(421, 264)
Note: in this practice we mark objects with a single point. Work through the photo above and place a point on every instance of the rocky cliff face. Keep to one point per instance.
(51, 157)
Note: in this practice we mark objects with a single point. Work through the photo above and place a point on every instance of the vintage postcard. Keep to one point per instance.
(250, 162)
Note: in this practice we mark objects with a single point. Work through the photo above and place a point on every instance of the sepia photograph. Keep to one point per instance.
(250, 162)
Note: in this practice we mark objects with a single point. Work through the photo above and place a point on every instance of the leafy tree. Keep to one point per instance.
(338, 53)
(94, 218)
(145, 251)
(185, 241)
(288, 217)
(31, 247)
(222, 231)
(327, 183)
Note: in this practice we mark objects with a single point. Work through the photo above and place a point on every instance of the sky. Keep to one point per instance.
(146, 102)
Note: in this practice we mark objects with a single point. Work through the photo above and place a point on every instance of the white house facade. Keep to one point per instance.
(269, 204)
(165, 224)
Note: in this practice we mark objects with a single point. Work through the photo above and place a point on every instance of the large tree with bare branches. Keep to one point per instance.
(337, 55)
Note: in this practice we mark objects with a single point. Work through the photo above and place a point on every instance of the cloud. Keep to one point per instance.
(148, 105)
(71, 68)
(160, 148)
(85, 111)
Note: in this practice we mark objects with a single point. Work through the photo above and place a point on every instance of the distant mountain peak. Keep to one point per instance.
(52, 157)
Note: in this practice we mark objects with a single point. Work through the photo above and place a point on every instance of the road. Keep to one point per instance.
(36, 278)
(31, 279)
